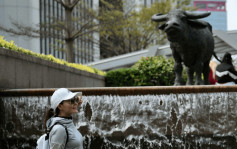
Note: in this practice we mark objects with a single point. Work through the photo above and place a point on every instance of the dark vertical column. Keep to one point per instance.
(80, 54)
(92, 44)
(40, 13)
(83, 38)
(45, 21)
(53, 42)
(58, 32)
(49, 29)
(63, 54)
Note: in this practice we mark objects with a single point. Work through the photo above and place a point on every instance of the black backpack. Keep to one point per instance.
(43, 141)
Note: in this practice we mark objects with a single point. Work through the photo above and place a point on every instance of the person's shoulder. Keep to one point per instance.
(58, 128)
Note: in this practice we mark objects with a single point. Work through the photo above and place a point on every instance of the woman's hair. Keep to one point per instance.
(50, 113)
(227, 58)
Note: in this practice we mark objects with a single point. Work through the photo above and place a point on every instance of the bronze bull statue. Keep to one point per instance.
(191, 42)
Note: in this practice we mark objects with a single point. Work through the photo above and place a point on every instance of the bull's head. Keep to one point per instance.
(177, 22)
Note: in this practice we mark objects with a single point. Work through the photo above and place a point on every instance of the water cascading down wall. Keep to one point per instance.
(130, 117)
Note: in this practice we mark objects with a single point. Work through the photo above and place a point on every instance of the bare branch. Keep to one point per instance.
(85, 29)
(68, 5)
(74, 3)
(20, 30)
(61, 2)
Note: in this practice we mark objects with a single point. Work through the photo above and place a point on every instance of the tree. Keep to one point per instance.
(124, 31)
(71, 31)
(66, 29)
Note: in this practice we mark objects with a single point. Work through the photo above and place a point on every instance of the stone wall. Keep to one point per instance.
(18, 70)
(130, 117)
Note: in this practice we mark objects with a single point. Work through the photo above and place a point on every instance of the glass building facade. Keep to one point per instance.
(218, 17)
(84, 47)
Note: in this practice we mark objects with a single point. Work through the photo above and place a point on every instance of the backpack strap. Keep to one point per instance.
(48, 131)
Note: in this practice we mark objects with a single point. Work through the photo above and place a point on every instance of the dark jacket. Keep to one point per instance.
(226, 73)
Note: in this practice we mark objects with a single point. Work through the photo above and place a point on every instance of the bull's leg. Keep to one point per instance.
(198, 70)
(178, 68)
(206, 71)
(190, 72)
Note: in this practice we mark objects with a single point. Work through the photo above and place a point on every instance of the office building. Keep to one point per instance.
(34, 12)
(218, 17)
(231, 6)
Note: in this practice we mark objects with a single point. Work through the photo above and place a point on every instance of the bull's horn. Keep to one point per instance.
(195, 15)
(159, 17)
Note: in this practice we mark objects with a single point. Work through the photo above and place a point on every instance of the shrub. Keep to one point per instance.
(120, 77)
(153, 71)
(149, 71)
(12, 46)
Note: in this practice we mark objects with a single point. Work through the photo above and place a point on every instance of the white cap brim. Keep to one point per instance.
(62, 94)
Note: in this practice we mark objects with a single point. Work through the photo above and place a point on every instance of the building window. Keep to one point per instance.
(201, 6)
(210, 5)
(51, 10)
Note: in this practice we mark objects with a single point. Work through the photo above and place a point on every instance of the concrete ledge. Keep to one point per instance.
(123, 91)
(19, 70)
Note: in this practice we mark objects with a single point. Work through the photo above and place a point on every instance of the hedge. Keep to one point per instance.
(11, 46)
(120, 77)
(153, 71)
(149, 71)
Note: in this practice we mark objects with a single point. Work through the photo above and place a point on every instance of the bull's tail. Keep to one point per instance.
(214, 54)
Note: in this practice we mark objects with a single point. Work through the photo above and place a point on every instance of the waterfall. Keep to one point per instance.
(199, 120)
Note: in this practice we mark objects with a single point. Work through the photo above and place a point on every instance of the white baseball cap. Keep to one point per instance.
(60, 95)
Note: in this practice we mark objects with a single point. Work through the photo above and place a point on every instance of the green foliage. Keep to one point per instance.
(154, 71)
(12, 46)
(123, 31)
(120, 77)
(183, 4)
(149, 71)
(127, 30)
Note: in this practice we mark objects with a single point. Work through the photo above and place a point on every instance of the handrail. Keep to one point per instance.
(143, 90)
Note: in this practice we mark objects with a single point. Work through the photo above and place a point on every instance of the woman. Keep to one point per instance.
(63, 133)
(225, 72)
(212, 75)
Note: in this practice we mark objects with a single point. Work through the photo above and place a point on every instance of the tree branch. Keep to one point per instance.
(61, 2)
(74, 3)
